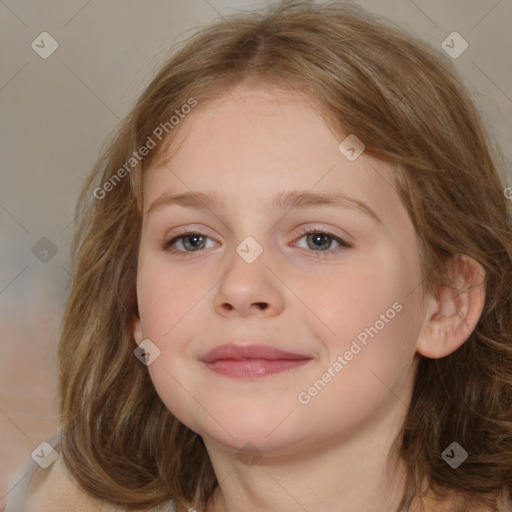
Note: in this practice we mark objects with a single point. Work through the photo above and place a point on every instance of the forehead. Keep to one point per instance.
(246, 111)
(254, 143)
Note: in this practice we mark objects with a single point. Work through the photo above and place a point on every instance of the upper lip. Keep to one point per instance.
(239, 352)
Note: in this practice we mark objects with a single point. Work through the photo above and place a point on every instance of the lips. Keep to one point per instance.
(249, 352)
(251, 360)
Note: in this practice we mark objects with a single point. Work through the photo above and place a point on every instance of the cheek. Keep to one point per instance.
(363, 379)
(168, 305)
(369, 310)
(166, 296)
(353, 298)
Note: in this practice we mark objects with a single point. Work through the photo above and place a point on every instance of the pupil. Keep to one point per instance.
(318, 237)
(196, 240)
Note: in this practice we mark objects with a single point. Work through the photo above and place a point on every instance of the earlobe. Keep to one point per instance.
(453, 315)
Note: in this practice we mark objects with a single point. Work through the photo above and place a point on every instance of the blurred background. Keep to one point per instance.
(69, 72)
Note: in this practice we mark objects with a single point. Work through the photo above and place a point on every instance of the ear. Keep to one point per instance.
(452, 316)
(136, 327)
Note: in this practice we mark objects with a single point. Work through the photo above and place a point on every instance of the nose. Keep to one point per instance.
(249, 289)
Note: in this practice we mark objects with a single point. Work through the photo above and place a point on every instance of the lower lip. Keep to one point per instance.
(249, 368)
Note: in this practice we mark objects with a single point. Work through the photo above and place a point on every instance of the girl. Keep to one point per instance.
(291, 286)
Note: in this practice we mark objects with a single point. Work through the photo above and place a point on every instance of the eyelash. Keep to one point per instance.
(344, 246)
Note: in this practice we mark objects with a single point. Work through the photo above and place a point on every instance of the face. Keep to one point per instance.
(335, 285)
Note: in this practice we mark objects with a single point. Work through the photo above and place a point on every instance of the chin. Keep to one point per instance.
(267, 433)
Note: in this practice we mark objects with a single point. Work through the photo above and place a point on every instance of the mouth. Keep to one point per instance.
(251, 361)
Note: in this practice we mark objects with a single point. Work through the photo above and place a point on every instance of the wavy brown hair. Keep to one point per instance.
(405, 102)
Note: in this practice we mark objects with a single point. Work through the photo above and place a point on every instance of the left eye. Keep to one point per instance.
(317, 240)
(322, 240)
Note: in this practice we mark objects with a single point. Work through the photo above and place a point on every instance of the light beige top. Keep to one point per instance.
(53, 489)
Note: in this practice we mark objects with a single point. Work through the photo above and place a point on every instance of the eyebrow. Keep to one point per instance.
(287, 200)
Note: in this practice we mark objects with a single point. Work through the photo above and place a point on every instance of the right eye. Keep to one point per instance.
(188, 239)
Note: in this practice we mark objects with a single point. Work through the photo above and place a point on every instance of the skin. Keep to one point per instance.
(330, 454)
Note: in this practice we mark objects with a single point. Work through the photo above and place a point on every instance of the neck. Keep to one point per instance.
(340, 477)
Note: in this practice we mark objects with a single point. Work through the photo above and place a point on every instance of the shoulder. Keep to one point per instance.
(49, 486)
(53, 489)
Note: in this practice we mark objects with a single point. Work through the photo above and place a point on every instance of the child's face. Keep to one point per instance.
(303, 294)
